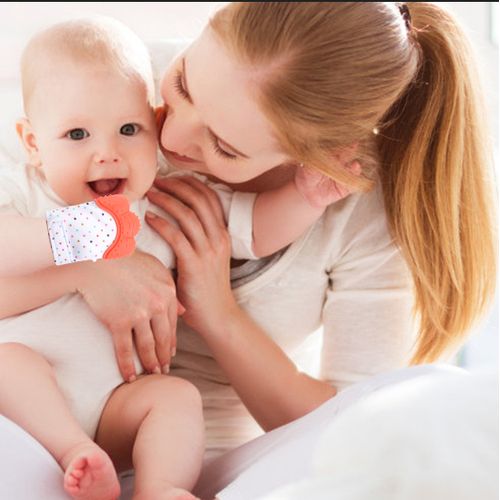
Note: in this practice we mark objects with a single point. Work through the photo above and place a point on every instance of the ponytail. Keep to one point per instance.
(435, 164)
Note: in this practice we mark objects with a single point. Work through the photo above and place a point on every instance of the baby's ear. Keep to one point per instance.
(28, 138)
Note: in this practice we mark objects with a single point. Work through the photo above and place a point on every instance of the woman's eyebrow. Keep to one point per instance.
(222, 141)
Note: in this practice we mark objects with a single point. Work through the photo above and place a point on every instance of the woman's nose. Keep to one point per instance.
(181, 133)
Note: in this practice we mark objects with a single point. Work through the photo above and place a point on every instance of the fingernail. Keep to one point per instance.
(173, 352)
(132, 378)
(150, 215)
(157, 370)
(165, 368)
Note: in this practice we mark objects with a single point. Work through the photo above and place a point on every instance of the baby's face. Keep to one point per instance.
(95, 134)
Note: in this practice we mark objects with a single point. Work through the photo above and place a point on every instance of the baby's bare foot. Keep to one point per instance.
(90, 474)
(163, 492)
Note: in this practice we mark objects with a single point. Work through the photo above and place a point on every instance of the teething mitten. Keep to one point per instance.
(101, 229)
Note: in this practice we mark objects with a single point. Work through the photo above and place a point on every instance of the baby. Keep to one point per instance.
(90, 131)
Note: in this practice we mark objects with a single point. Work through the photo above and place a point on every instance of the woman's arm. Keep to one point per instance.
(134, 297)
(20, 237)
(267, 381)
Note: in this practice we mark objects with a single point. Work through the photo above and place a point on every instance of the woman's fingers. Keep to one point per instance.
(124, 352)
(201, 199)
(145, 346)
(203, 192)
(185, 216)
(163, 326)
(172, 235)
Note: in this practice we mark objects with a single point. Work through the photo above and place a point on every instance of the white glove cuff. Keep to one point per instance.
(80, 232)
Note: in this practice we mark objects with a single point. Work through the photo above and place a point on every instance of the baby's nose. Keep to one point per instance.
(106, 159)
(108, 156)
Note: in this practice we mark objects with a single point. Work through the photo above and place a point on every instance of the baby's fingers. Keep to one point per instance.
(355, 167)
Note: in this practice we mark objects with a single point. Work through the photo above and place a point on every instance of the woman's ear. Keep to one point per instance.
(28, 138)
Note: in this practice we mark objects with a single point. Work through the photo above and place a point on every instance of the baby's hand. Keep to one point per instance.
(104, 228)
(320, 190)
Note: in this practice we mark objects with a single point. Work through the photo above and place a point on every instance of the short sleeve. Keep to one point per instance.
(368, 321)
(240, 225)
(238, 212)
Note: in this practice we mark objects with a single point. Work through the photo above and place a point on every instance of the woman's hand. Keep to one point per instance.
(135, 298)
(202, 247)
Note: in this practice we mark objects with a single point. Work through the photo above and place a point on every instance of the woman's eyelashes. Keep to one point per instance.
(219, 151)
(179, 87)
(78, 134)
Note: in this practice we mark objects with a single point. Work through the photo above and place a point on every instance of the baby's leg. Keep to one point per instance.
(156, 425)
(30, 396)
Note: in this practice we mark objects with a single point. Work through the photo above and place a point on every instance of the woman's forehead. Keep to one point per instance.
(224, 94)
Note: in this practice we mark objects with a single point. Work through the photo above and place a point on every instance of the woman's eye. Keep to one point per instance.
(220, 152)
(179, 86)
(129, 129)
(77, 134)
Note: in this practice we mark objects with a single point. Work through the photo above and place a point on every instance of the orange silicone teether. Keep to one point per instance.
(127, 225)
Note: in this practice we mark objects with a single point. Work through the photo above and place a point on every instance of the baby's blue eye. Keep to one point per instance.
(77, 134)
(129, 129)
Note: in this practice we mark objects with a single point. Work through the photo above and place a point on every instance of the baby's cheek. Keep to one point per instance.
(145, 160)
(68, 188)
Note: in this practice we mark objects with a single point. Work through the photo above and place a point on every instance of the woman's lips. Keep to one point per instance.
(178, 157)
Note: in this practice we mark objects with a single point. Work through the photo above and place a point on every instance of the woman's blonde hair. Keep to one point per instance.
(399, 81)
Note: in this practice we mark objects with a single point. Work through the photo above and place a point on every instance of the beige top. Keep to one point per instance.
(345, 279)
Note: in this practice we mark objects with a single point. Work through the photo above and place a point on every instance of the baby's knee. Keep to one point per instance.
(168, 390)
(15, 357)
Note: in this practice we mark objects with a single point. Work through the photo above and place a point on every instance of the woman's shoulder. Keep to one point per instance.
(358, 214)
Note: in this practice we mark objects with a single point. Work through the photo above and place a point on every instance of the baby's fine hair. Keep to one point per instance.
(96, 41)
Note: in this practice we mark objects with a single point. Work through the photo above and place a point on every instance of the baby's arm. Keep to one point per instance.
(39, 288)
(24, 245)
(281, 215)
(99, 229)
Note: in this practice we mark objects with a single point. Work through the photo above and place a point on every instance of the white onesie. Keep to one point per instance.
(66, 332)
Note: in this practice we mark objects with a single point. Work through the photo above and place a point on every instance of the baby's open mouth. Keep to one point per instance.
(105, 187)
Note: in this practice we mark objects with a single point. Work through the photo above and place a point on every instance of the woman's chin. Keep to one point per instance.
(184, 165)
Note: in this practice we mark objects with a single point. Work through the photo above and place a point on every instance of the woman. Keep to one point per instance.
(269, 86)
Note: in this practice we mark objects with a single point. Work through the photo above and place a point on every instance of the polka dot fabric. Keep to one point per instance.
(87, 231)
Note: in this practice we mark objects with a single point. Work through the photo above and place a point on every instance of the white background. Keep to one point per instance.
(159, 20)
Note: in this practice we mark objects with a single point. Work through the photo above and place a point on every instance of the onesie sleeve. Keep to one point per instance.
(240, 225)
(238, 212)
(368, 321)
